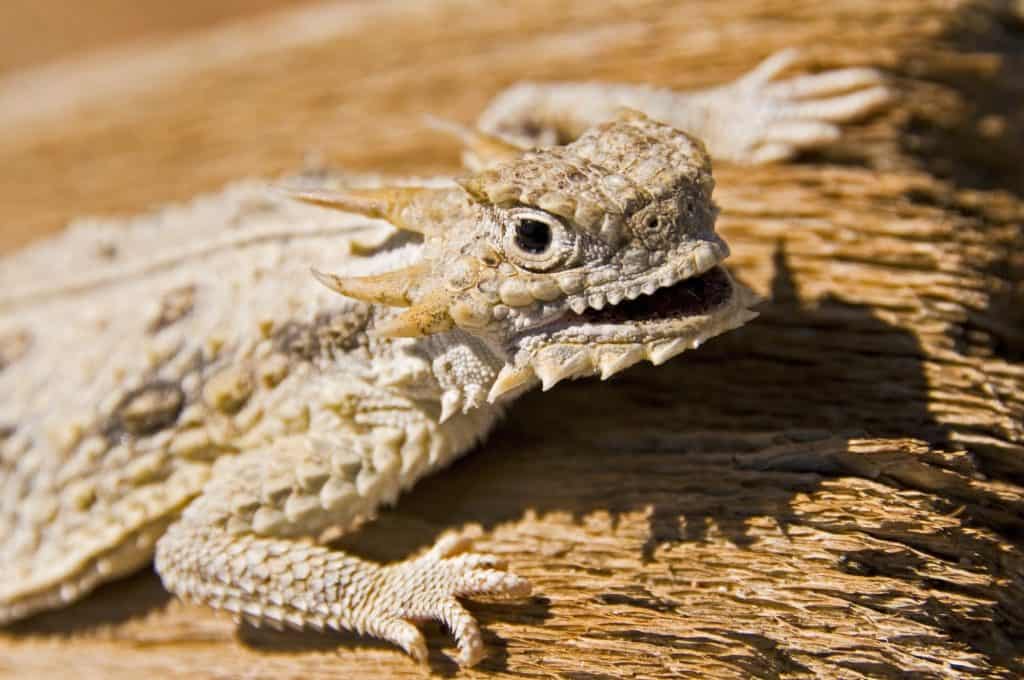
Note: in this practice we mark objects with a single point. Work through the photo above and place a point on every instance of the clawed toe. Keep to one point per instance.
(404, 634)
(841, 108)
(825, 84)
(465, 630)
(492, 583)
(450, 545)
(427, 588)
(801, 112)
(482, 561)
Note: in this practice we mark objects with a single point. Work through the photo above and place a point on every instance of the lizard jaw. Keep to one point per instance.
(655, 326)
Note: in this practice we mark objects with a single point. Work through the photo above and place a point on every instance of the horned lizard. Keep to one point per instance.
(181, 386)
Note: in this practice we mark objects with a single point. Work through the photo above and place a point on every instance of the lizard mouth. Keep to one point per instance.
(690, 308)
(686, 298)
(655, 326)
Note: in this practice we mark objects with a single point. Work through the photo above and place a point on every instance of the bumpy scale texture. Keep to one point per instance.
(201, 397)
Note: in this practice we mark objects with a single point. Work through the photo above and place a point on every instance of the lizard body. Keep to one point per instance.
(182, 386)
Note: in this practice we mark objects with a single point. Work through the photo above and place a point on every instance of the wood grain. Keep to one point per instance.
(36, 32)
(833, 491)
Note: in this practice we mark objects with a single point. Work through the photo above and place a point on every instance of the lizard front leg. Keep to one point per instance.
(239, 547)
(754, 119)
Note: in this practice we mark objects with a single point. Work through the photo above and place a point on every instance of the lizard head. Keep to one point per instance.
(568, 261)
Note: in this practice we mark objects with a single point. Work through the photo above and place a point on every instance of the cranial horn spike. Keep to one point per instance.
(429, 316)
(487, 148)
(390, 288)
(628, 113)
(408, 208)
(474, 186)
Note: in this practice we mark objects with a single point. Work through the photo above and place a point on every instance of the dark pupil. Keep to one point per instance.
(533, 236)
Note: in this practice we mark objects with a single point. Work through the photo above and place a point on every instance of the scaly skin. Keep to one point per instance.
(181, 385)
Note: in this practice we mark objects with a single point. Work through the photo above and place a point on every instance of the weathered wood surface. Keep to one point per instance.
(833, 491)
(38, 32)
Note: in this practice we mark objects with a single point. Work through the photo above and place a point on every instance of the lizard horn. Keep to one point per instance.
(429, 316)
(487, 148)
(627, 113)
(390, 288)
(408, 208)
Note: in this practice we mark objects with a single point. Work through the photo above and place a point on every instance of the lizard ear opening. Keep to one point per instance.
(407, 208)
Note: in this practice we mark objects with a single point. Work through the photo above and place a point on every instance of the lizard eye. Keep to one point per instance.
(533, 236)
(536, 240)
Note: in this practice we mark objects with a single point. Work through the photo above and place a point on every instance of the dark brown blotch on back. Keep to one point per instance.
(148, 409)
(329, 333)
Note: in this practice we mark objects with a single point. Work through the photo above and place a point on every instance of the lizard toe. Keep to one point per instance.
(450, 545)
(491, 583)
(465, 630)
(402, 633)
(427, 588)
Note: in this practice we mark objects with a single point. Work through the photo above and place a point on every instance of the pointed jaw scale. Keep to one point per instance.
(619, 359)
(451, 404)
(654, 327)
(511, 380)
(556, 365)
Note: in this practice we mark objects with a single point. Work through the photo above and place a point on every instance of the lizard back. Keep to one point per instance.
(133, 355)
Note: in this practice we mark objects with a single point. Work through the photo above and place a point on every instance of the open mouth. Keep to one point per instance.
(655, 326)
(690, 297)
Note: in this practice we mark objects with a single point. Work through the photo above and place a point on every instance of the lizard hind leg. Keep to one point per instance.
(270, 574)
(293, 583)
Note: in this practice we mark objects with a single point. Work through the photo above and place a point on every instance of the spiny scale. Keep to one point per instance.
(407, 208)
(614, 361)
(451, 403)
(390, 288)
(429, 316)
(510, 378)
(404, 207)
(665, 351)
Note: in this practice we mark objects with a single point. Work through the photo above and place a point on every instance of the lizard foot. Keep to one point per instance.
(427, 588)
(768, 120)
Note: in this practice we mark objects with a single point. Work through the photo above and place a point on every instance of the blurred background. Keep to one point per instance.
(35, 32)
(112, 107)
